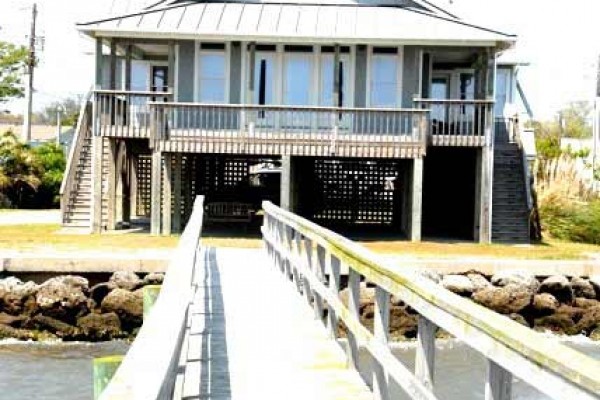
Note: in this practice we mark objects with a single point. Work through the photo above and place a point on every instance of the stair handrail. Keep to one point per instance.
(517, 128)
(66, 185)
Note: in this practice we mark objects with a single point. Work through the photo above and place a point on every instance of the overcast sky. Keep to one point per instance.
(558, 38)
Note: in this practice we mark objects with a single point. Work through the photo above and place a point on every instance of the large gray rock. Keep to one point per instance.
(153, 278)
(505, 300)
(59, 328)
(129, 306)
(16, 296)
(458, 284)
(558, 286)
(479, 282)
(96, 327)
(125, 280)
(518, 278)
(583, 288)
(64, 298)
(595, 281)
(545, 304)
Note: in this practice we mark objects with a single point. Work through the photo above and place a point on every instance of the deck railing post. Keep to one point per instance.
(320, 273)
(334, 287)
(308, 269)
(381, 326)
(354, 308)
(425, 357)
(297, 261)
(498, 385)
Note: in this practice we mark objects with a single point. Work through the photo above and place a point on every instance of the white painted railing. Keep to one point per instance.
(312, 257)
(125, 113)
(149, 369)
(459, 122)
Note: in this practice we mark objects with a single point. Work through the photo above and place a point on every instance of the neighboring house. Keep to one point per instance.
(380, 113)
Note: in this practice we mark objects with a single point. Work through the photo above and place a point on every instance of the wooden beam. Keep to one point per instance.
(97, 151)
(425, 357)
(155, 193)
(99, 63)
(336, 76)
(417, 200)
(171, 70)
(167, 194)
(128, 56)
(251, 72)
(133, 197)
(381, 329)
(177, 198)
(113, 65)
(498, 385)
(112, 183)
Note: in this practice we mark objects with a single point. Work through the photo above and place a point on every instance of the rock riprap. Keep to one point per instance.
(66, 308)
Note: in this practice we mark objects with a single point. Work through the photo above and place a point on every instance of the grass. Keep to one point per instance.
(40, 237)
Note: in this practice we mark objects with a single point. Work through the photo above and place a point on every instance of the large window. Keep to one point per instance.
(503, 83)
(297, 83)
(212, 77)
(384, 78)
(326, 89)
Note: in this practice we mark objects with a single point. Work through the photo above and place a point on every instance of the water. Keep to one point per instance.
(63, 371)
(460, 371)
(55, 371)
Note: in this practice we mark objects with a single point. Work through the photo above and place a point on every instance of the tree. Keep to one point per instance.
(69, 108)
(19, 170)
(13, 60)
(576, 120)
(52, 162)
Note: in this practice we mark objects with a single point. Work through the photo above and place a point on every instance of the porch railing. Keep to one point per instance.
(459, 122)
(290, 126)
(121, 113)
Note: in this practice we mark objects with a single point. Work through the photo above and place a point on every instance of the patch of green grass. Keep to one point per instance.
(43, 237)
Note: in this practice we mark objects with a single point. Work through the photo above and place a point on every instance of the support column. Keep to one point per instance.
(167, 194)
(155, 193)
(113, 65)
(97, 148)
(416, 200)
(128, 51)
(289, 184)
(126, 174)
(171, 70)
(485, 195)
(177, 193)
(133, 185)
(112, 183)
(119, 183)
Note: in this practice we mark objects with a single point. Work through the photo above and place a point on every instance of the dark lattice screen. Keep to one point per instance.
(354, 191)
(144, 168)
(223, 178)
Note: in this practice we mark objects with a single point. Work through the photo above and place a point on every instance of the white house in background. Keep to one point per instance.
(380, 112)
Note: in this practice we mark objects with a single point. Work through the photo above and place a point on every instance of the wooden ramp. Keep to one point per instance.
(251, 336)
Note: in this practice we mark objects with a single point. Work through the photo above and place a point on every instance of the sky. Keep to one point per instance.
(558, 38)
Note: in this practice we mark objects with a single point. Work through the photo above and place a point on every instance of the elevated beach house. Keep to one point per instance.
(362, 115)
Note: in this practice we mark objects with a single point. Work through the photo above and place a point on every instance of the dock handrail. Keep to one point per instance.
(82, 130)
(149, 368)
(304, 250)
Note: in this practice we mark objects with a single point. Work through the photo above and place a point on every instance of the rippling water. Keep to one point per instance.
(63, 371)
(56, 371)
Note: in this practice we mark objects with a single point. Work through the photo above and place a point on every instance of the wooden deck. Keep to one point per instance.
(250, 336)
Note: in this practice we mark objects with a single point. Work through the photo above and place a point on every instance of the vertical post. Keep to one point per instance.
(336, 76)
(381, 332)
(97, 151)
(167, 192)
(477, 194)
(31, 61)
(417, 200)
(485, 207)
(133, 196)
(286, 183)
(498, 385)
(113, 65)
(320, 273)
(334, 287)
(425, 357)
(308, 255)
(99, 64)
(128, 51)
(177, 192)
(251, 66)
(171, 69)
(353, 306)
(112, 182)
(156, 190)
(119, 182)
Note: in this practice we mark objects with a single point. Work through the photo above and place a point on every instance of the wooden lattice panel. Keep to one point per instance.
(144, 169)
(354, 191)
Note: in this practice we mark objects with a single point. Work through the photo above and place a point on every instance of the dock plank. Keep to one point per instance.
(252, 336)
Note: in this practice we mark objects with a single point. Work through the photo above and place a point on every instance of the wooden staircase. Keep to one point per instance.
(76, 190)
(510, 209)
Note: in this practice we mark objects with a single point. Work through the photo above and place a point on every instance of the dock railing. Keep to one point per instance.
(148, 371)
(312, 257)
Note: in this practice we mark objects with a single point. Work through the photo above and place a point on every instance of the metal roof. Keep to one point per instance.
(289, 22)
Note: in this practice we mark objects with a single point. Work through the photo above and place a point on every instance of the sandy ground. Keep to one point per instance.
(29, 217)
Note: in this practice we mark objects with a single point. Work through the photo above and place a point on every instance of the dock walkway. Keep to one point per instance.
(250, 336)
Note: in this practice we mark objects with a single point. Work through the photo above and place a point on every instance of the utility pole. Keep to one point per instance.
(26, 135)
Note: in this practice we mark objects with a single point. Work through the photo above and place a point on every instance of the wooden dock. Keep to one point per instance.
(250, 336)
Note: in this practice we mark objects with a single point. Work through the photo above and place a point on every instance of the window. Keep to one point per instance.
(212, 77)
(502, 91)
(297, 79)
(326, 95)
(384, 80)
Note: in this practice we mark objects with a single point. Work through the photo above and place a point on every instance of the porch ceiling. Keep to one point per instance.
(297, 23)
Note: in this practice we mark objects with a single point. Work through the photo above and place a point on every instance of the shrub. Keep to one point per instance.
(573, 221)
(53, 162)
